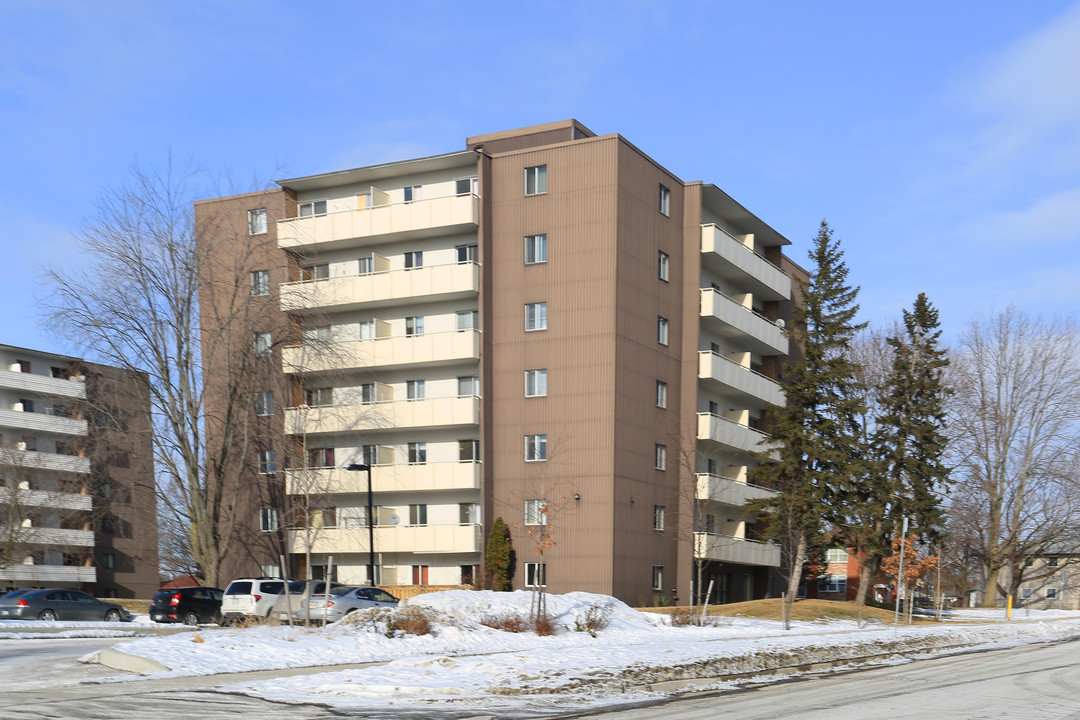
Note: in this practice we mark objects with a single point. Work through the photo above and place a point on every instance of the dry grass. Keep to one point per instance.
(132, 605)
(411, 620)
(804, 610)
(506, 622)
(595, 619)
(543, 626)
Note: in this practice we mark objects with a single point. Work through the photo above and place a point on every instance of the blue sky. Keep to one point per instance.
(940, 140)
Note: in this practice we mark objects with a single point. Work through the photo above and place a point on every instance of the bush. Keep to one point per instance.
(507, 622)
(596, 618)
(543, 626)
(411, 621)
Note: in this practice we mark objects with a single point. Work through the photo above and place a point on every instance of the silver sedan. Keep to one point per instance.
(344, 600)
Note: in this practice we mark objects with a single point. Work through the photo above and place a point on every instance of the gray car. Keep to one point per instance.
(344, 600)
(60, 604)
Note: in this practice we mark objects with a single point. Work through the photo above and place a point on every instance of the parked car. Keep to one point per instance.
(345, 600)
(299, 591)
(248, 598)
(60, 604)
(188, 605)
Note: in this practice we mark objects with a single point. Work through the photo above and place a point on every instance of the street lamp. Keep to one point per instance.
(370, 520)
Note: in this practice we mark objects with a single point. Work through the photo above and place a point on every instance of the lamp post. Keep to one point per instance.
(370, 520)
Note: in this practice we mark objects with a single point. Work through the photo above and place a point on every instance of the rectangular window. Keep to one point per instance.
(370, 455)
(257, 221)
(710, 524)
(366, 265)
(263, 343)
(412, 193)
(1026, 593)
(367, 393)
(24, 365)
(270, 571)
(662, 330)
(319, 271)
(414, 326)
(468, 320)
(260, 282)
(662, 263)
(1051, 593)
(468, 450)
(26, 405)
(419, 574)
(535, 383)
(60, 373)
(316, 397)
(535, 249)
(415, 389)
(418, 514)
(660, 457)
(658, 577)
(317, 335)
(665, 201)
(536, 512)
(267, 462)
(836, 555)
(535, 574)
(321, 457)
(1052, 561)
(468, 253)
(536, 180)
(832, 584)
(468, 386)
(417, 453)
(463, 186)
(367, 330)
(311, 208)
(658, 513)
(536, 316)
(661, 394)
(414, 259)
(535, 448)
(108, 560)
(264, 403)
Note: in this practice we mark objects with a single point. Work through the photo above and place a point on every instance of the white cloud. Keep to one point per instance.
(1047, 221)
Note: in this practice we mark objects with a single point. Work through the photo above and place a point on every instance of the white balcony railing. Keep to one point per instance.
(385, 479)
(723, 548)
(44, 461)
(728, 257)
(426, 539)
(433, 283)
(396, 414)
(731, 319)
(49, 573)
(411, 351)
(719, 489)
(56, 536)
(718, 429)
(732, 376)
(58, 387)
(42, 422)
(45, 499)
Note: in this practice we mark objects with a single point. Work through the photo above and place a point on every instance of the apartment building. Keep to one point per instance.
(547, 327)
(76, 476)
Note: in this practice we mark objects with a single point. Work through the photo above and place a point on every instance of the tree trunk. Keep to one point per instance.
(867, 570)
(797, 558)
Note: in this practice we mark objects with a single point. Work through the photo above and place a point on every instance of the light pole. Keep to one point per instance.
(370, 521)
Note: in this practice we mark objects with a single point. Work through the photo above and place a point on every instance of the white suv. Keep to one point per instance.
(251, 598)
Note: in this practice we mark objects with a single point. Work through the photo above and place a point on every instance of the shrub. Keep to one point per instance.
(412, 621)
(543, 625)
(507, 622)
(595, 619)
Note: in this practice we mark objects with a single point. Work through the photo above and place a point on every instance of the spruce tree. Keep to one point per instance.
(817, 431)
(499, 557)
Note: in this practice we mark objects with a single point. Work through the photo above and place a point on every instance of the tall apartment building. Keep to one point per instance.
(77, 496)
(547, 327)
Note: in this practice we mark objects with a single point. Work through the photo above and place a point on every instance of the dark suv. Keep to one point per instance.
(188, 605)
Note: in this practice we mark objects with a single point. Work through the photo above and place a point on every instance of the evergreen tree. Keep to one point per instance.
(817, 431)
(499, 557)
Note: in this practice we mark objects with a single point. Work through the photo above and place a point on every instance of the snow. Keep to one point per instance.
(465, 666)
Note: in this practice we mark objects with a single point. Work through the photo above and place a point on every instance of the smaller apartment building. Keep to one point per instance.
(77, 500)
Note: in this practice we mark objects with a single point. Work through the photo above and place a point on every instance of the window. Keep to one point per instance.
(311, 208)
(268, 519)
(1026, 593)
(710, 524)
(467, 253)
(317, 335)
(257, 221)
(1052, 561)
(661, 394)
(468, 320)
(535, 383)
(414, 259)
(536, 180)
(463, 186)
(319, 271)
(536, 512)
(415, 389)
(263, 343)
(468, 450)
(60, 373)
(468, 386)
(660, 456)
(836, 555)
(411, 193)
(662, 330)
(419, 574)
(832, 584)
(108, 560)
(535, 448)
(366, 265)
(264, 402)
(536, 316)
(1051, 593)
(418, 514)
(417, 453)
(658, 514)
(414, 325)
(535, 249)
(468, 574)
(367, 393)
(24, 365)
(316, 397)
(106, 490)
(535, 574)
(370, 455)
(321, 457)
(665, 200)
(662, 263)
(27, 405)
(268, 570)
(367, 330)
(657, 577)
(468, 513)
(260, 282)
(711, 467)
(267, 462)
(107, 525)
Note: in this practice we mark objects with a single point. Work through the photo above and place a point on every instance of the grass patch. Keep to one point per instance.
(803, 610)
(411, 621)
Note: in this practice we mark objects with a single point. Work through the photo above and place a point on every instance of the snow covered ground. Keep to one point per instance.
(465, 666)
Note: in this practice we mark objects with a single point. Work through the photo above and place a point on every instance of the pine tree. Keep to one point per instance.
(499, 557)
(816, 432)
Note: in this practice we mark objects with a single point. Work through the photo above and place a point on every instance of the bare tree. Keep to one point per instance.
(1016, 426)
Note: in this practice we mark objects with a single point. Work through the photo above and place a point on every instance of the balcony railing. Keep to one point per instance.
(44, 461)
(727, 257)
(45, 499)
(352, 228)
(718, 429)
(724, 548)
(426, 539)
(716, 488)
(42, 384)
(433, 283)
(42, 422)
(49, 573)
(714, 368)
(729, 318)
(392, 415)
(405, 351)
(56, 536)
(385, 479)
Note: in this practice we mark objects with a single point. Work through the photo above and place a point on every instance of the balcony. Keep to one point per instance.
(727, 257)
(385, 479)
(413, 351)
(57, 536)
(399, 221)
(731, 377)
(393, 415)
(750, 330)
(49, 573)
(431, 283)
(56, 387)
(424, 539)
(45, 499)
(716, 488)
(723, 548)
(720, 430)
(41, 422)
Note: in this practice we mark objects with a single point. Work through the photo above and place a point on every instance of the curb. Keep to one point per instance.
(117, 660)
